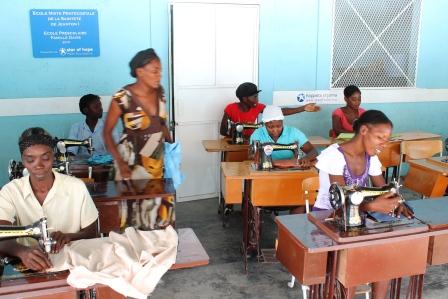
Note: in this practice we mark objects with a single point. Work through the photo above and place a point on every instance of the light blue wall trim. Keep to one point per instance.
(433, 59)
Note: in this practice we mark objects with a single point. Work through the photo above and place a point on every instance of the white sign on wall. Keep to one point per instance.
(369, 95)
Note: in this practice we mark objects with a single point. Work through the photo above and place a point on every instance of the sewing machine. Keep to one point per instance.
(16, 170)
(346, 200)
(37, 230)
(63, 144)
(236, 130)
(262, 153)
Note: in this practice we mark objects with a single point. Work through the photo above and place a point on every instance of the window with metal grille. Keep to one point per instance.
(375, 43)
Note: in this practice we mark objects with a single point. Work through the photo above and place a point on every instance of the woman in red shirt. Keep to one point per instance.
(343, 117)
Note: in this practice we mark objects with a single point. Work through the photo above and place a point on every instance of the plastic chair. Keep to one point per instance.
(419, 149)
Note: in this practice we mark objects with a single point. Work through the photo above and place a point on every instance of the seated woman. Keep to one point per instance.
(275, 131)
(343, 118)
(355, 162)
(64, 200)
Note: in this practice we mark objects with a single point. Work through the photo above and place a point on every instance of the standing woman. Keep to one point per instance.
(141, 107)
(343, 118)
(140, 152)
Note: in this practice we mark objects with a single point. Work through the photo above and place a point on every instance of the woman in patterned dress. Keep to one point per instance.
(141, 108)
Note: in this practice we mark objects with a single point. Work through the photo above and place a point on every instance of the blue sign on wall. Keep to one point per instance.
(64, 33)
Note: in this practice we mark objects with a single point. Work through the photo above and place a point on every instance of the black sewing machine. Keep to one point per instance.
(346, 200)
(61, 146)
(16, 170)
(262, 153)
(37, 230)
(236, 130)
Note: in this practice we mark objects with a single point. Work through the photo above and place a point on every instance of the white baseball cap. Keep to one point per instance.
(271, 113)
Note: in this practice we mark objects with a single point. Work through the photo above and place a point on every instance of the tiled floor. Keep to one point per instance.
(224, 277)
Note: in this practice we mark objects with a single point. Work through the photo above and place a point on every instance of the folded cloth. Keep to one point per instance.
(97, 159)
(131, 263)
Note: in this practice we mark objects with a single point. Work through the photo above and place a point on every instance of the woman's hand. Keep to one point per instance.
(61, 239)
(386, 203)
(405, 210)
(125, 171)
(34, 258)
(311, 107)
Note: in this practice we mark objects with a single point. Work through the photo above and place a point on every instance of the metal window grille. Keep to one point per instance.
(375, 43)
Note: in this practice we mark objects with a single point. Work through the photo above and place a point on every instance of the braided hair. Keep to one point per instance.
(35, 136)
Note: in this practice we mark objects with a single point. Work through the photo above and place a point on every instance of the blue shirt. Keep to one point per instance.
(289, 135)
(81, 131)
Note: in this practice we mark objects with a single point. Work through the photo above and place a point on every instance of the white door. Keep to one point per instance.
(214, 49)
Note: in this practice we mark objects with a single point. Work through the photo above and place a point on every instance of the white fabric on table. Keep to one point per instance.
(131, 263)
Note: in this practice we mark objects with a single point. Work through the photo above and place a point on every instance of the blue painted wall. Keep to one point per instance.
(295, 52)
(124, 29)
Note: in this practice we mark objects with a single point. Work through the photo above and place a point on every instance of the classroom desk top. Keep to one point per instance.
(436, 164)
(224, 145)
(433, 212)
(415, 135)
(131, 189)
(428, 177)
(404, 136)
(244, 170)
(315, 240)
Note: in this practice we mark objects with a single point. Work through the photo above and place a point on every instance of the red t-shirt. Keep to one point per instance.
(344, 121)
(249, 117)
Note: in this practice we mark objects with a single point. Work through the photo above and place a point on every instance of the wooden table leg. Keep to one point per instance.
(331, 274)
(415, 287)
(420, 285)
(245, 212)
(395, 287)
(258, 214)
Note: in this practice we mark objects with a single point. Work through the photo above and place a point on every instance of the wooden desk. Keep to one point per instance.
(239, 153)
(434, 213)
(261, 189)
(120, 203)
(314, 258)
(428, 177)
(190, 253)
(285, 191)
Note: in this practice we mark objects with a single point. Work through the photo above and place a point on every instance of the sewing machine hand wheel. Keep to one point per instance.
(337, 197)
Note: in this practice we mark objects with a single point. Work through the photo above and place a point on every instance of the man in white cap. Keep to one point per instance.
(274, 131)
